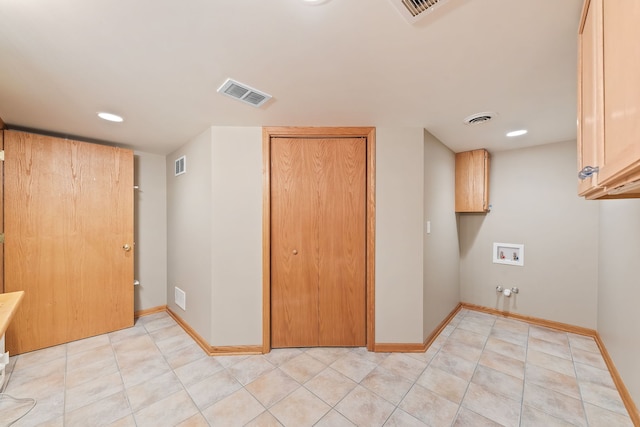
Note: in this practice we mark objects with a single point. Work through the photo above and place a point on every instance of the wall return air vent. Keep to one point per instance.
(181, 166)
(244, 93)
(412, 10)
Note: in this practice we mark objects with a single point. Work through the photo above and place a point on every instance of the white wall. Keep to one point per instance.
(619, 287)
(214, 215)
(441, 253)
(534, 202)
(399, 228)
(236, 239)
(215, 235)
(150, 230)
(189, 233)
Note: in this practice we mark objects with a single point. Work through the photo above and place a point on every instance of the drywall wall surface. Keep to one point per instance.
(399, 216)
(150, 230)
(441, 253)
(236, 236)
(619, 288)
(189, 233)
(534, 202)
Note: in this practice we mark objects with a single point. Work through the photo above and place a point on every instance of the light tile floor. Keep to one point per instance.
(483, 370)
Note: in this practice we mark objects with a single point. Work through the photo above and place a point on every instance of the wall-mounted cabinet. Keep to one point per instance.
(609, 100)
(472, 181)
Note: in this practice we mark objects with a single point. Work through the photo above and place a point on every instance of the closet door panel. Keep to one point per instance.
(318, 218)
(342, 242)
(294, 244)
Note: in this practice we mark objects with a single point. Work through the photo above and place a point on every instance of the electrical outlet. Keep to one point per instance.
(180, 298)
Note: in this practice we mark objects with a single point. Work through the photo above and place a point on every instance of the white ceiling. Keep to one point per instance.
(158, 63)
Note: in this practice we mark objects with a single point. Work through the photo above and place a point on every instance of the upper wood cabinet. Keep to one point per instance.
(609, 99)
(472, 181)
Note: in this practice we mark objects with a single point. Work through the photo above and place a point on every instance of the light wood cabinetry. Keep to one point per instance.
(609, 100)
(9, 303)
(472, 181)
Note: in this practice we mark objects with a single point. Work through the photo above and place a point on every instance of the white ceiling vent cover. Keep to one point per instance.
(412, 10)
(479, 118)
(244, 93)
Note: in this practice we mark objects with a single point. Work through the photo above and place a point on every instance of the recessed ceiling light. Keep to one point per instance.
(314, 2)
(517, 132)
(110, 117)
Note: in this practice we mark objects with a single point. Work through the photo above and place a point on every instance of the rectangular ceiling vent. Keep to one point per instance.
(412, 10)
(244, 93)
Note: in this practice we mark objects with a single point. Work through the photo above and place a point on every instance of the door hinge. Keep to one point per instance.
(1, 237)
(2, 155)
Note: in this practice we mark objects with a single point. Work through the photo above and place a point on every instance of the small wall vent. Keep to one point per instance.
(412, 10)
(244, 93)
(181, 166)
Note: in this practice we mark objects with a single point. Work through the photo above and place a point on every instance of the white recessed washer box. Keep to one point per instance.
(508, 253)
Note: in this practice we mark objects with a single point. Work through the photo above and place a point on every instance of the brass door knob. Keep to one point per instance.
(126, 247)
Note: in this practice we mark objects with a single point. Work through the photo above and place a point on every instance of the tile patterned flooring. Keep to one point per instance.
(482, 370)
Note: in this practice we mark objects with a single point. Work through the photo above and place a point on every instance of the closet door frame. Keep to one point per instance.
(369, 134)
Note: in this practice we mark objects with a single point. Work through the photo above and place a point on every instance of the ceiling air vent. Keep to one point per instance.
(244, 93)
(478, 118)
(412, 10)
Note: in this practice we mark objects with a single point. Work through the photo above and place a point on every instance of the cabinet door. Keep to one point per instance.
(472, 181)
(68, 216)
(621, 156)
(294, 246)
(590, 124)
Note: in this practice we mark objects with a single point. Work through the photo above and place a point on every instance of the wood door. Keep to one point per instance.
(318, 247)
(68, 239)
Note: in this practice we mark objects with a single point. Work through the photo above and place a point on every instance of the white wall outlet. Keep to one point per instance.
(180, 298)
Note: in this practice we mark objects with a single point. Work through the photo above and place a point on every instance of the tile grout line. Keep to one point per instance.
(524, 374)
(466, 390)
(377, 362)
(575, 371)
(66, 373)
(460, 407)
(182, 384)
(124, 388)
(184, 387)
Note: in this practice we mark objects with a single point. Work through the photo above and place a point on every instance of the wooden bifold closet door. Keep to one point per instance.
(318, 247)
(68, 239)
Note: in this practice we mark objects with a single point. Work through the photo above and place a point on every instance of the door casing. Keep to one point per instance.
(318, 132)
